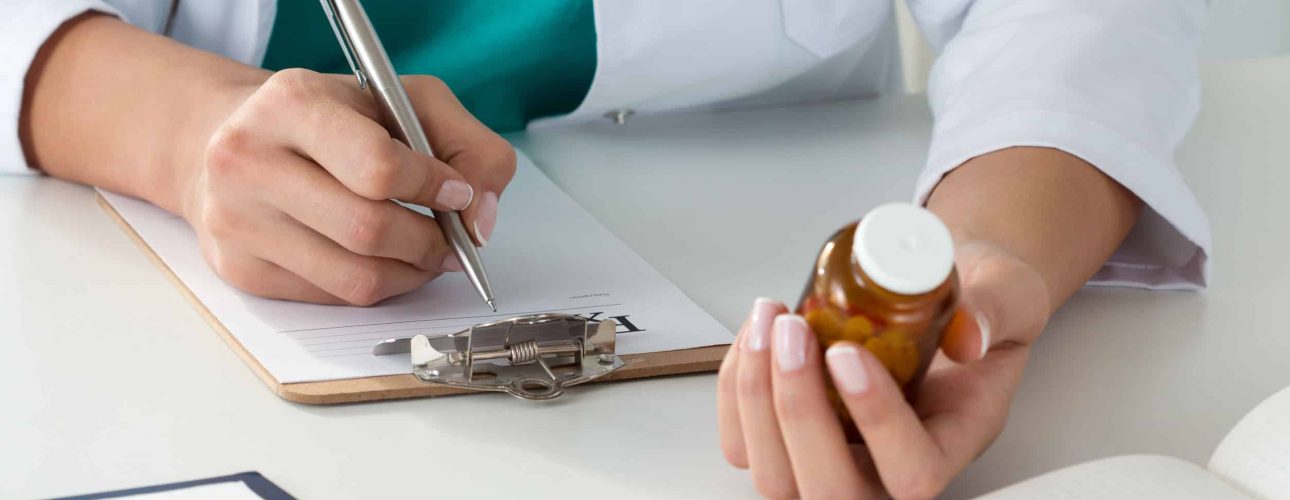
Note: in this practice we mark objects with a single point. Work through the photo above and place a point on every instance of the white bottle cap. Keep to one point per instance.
(904, 248)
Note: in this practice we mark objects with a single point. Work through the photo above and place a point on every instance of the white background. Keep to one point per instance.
(1237, 29)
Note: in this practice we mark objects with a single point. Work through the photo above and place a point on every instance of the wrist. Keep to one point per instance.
(110, 105)
(1051, 210)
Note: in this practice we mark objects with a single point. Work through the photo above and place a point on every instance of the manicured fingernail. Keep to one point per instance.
(790, 342)
(455, 194)
(757, 338)
(847, 367)
(450, 264)
(983, 325)
(485, 218)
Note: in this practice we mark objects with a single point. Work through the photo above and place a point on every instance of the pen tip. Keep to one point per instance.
(491, 305)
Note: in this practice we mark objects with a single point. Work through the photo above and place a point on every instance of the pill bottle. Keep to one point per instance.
(887, 283)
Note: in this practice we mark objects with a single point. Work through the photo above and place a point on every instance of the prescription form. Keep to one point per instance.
(547, 254)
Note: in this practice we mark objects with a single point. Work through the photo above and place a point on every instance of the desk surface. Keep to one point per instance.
(113, 380)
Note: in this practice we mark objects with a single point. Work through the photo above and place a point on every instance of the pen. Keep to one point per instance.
(372, 67)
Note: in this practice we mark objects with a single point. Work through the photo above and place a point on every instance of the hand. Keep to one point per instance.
(775, 417)
(291, 195)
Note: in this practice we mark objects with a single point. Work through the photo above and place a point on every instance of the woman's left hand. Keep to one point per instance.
(776, 419)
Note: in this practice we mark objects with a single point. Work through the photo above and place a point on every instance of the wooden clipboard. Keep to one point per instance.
(702, 359)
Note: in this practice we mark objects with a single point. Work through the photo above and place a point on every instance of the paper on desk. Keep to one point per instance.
(547, 255)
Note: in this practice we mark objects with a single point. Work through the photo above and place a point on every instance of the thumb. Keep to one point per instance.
(1001, 300)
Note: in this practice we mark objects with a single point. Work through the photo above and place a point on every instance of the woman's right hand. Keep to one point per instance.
(287, 177)
(290, 195)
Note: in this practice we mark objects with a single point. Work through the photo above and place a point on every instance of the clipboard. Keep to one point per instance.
(405, 386)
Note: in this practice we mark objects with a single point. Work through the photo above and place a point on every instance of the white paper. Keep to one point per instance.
(546, 255)
(1255, 455)
(1127, 477)
(233, 490)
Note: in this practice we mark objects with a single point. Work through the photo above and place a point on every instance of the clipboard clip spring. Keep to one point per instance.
(533, 357)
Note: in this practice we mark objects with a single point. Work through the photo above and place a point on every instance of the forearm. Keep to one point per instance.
(1051, 209)
(111, 105)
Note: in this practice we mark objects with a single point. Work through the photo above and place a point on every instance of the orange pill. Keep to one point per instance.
(897, 354)
(905, 362)
(857, 328)
(827, 323)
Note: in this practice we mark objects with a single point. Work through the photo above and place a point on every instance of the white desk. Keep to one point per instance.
(111, 380)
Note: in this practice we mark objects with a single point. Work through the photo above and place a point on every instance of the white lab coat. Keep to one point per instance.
(1111, 81)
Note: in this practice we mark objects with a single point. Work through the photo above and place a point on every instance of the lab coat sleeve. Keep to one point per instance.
(1113, 82)
(26, 25)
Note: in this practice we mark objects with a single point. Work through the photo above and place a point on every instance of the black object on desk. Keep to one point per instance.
(253, 480)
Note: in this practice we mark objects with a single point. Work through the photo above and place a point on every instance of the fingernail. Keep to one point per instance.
(757, 338)
(450, 264)
(790, 342)
(455, 194)
(983, 325)
(485, 218)
(847, 368)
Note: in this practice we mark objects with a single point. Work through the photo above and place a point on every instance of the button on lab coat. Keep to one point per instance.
(1111, 81)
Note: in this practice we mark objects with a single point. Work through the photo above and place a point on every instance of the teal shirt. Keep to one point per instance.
(508, 62)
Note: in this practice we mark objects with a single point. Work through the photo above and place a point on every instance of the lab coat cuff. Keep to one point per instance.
(26, 30)
(1170, 244)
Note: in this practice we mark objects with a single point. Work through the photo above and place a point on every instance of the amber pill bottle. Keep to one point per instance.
(888, 284)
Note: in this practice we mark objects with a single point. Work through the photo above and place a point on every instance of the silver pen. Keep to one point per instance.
(372, 66)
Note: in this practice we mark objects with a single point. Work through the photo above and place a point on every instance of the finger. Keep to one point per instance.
(323, 124)
(731, 433)
(357, 279)
(998, 303)
(909, 462)
(482, 157)
(817, 448)
(268, 280)
(481, 218)
(259, 277)
(460, 139)
(763, 442)
(362, 226)
(872, 487)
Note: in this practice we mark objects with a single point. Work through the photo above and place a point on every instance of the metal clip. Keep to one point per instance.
(346, 46)
(531, 357)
